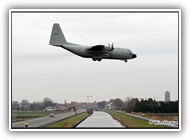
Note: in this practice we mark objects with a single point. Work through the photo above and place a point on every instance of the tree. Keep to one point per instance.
(36, 106)
(24, 101)
(131, 105)
(135, 105)
(25, 105)
(47, 102)
(118, 103)
(101, 105)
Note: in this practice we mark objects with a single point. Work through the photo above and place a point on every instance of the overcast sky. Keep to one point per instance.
(40, 70)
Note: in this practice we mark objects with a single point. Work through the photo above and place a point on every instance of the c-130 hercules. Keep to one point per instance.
(97, 52)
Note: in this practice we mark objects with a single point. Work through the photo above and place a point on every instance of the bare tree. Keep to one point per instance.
(48, 102)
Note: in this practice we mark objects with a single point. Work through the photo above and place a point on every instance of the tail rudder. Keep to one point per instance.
(57, 36)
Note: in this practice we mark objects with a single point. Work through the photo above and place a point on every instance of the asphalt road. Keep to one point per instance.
(43, 121)
(100, 119)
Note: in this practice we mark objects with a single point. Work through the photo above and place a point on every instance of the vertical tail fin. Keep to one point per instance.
(57, 37)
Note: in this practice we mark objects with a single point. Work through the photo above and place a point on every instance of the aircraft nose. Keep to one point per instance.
(134, 56)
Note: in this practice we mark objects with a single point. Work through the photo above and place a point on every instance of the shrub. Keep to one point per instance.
(90, 111)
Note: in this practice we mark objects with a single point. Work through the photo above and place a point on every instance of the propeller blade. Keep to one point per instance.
(112, 46)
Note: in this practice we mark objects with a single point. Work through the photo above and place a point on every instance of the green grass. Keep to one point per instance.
(70, 122)
(132, 122)
(25, 115)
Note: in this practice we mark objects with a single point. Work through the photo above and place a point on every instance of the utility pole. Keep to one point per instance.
(88, 99)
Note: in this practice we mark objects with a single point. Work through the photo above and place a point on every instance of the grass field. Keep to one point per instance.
(160, 116)
(132, 122)
(25, 115)
(70, 122)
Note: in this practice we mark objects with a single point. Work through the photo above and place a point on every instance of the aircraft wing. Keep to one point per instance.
(96, 48)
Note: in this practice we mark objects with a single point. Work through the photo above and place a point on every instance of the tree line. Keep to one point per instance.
(146, 106)
(36, 106)
(129, 105)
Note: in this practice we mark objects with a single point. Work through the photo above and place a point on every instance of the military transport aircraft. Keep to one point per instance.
(97, 52)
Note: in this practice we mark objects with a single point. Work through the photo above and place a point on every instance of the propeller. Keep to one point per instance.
(112, 46)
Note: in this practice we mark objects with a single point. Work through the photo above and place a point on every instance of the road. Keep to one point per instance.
(43, 121)
(100, 119)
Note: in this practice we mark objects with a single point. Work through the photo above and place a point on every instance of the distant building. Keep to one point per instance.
(60, 107)
(82, 105)
(167, 96)
(65, 105)
(15, 105)
(110, 106)
(92, 105)
(49, 108)
(73, 104)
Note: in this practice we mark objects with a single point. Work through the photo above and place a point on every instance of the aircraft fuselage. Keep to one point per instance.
(97, 52)
(117, 53)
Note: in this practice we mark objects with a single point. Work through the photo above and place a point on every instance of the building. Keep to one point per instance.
(167, 96)
(49, 108)
(15, 105)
